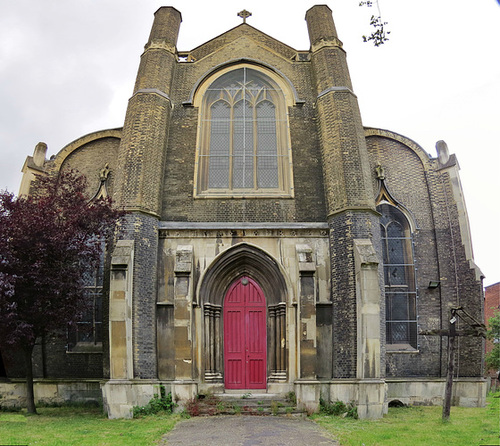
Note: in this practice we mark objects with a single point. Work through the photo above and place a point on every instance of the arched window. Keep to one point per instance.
(243, 141)
(86, 334)
(399, 278)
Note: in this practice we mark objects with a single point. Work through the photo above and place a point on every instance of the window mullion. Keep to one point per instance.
(231, 145)
(255, 145)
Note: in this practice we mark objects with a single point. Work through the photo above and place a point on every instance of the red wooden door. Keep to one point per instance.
(245, 346)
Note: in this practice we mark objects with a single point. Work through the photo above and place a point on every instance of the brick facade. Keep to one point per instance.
(307, 241)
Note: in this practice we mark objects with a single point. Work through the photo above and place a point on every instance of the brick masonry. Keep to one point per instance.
(153, 162)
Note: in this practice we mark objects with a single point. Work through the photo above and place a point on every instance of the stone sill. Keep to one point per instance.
(400, 348)
(86, 348)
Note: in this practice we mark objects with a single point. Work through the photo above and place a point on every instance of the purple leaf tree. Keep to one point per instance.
(47, 241)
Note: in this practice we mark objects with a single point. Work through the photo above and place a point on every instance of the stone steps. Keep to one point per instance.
(242, 404)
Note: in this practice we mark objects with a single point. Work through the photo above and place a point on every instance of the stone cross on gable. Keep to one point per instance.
(244, 15)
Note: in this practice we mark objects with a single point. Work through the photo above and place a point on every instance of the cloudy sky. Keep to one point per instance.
(67, 68)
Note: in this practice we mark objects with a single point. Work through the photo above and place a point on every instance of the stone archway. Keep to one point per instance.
(243, 260)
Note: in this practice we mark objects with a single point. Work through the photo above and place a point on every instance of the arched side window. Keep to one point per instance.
(244, 145)
(399, 279)
(86, 335)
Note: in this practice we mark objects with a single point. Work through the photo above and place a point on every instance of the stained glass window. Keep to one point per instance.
(399, 277)
(244, 146)
(86, 334)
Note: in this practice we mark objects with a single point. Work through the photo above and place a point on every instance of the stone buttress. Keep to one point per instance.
(141, 163)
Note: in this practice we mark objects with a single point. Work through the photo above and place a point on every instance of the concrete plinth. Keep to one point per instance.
(307, 393)
(183, 391)
(372, 403)
(467, 392)
(369, 395)
(120, 396)
(49, 391)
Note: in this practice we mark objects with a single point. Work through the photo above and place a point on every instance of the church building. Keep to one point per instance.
(272, 242)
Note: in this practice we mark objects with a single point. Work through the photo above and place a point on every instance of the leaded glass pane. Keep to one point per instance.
(396, 251)
(394, 230)
(218, 176)
(218, 167)
(395, 275)
(243, 145)
(399, 306)
(400, 333)
(267, 150)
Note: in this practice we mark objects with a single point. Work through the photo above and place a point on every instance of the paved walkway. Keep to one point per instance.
(247, 430)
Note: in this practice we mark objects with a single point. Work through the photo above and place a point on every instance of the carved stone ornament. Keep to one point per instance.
(102, 191)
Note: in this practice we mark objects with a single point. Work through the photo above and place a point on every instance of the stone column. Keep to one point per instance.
(184, 388)
(371, 387)
(183, 312)
(368, 309)
(118, 393)
(307, 386)
(120, 309)
(307, 327)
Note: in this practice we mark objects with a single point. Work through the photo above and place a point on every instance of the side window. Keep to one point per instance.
(86, 335)
(399, 278)
(243, 140)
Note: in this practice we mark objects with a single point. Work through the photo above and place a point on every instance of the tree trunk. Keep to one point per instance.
(3, 373)
(30, 394)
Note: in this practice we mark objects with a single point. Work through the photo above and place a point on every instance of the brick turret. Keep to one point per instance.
(142, 150)
(345, 158)
(142, 155)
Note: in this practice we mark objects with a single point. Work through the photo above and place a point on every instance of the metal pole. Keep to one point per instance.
(449, 375)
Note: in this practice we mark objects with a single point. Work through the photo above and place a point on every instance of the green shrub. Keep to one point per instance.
(338, 408)
(157, 404)
(291, 397)
(275, 407)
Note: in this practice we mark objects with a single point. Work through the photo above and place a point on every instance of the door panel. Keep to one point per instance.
(245, 345)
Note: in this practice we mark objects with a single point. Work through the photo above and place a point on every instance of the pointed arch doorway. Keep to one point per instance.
(245, 340)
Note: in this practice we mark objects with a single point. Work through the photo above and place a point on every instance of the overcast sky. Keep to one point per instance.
(67, 68)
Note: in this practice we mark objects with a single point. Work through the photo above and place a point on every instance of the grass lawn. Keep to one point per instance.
(64, 426)
(420, 426)
(402, 426)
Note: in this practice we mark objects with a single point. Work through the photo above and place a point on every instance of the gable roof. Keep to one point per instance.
(244, 29)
